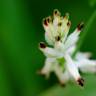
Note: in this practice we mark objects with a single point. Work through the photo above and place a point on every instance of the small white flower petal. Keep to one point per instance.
(58, 71)
(72, 68)
(49, 30)
(65, 30)
(80, 55)
(49, 52)
(66, 76)
(56, 19)
(61, 25)
(71, 40)
(73, 37)
(65, 27)
(47, 67)
(49, 38)
(71, 50)
(62, 76)
(87, 66)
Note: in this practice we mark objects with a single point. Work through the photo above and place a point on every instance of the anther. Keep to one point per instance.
(80, 26)
(56, 12)
(60, 24)
(69, 23)
(49, 19)
(45, 22)
(42, 45)
(80, 81)
(57, 38)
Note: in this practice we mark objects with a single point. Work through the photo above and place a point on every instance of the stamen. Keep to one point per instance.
(45, 22)
(69, 23)
(56, 12)
(42, 45)
(81, 82)
(60, 24)
(80, 26)
(57, 38)
(49, 19)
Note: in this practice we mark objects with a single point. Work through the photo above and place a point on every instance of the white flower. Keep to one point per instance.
(59, 56)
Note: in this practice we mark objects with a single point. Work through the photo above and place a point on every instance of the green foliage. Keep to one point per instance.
(92, 3)
(73, 90)
(85, 32)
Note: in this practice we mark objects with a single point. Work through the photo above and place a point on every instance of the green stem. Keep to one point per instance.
(85, 31)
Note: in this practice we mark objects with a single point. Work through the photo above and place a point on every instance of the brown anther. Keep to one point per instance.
(42, 45)
(60, 24)
(57, 38)
(80, 26)
(69, 23)
(48, 20)
(56, 12)
(80, 81)
(45, 22)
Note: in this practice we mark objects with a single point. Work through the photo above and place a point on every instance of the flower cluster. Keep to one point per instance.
(62, 45)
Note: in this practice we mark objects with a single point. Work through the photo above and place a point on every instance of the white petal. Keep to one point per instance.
(61, 25)
(59, 73)
(50, 52)
(56, 19)
(65, 29)
(49, 30)
(88, 66)
(62, 76)
(71, 50)
(47, 67)
(66, 76)
(72, 68)
(72, 40)
(73, 37)
(80, 55)
(49, 35)
(49, 38)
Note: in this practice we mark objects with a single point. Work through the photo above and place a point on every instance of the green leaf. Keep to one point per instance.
(84, 33)
(92, 3)
(72, 89)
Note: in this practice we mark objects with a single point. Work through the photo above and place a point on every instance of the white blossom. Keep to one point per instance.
(62, 45)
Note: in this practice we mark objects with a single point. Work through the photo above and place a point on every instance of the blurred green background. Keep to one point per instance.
(20, 32)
